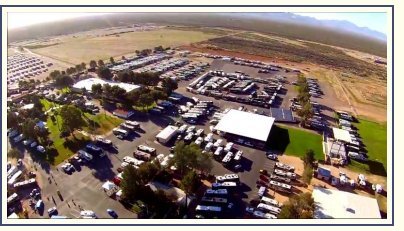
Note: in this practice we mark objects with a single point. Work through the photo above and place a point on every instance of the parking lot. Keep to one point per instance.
(82, 189)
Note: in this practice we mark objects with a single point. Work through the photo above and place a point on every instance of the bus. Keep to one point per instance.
(259, 214)
(208, 210)
(118, 131)
(268, 208)
(270, 201)
(228, 177)
(11, 199)
(216, 193)
(214, 201)
(225, 185)
(147, 149)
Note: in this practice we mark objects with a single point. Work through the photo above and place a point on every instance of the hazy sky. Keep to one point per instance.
(375, 21)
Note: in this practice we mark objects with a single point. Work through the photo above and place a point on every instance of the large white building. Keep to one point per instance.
(88, 83)
(340, 204)
(246, 124)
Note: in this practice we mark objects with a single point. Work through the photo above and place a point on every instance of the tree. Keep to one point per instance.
(156, 95)
(64, 81)
(12, 120)
(129, 183)
(305, 113)
(13, 153)
(104, 73)
(190, 157)
(111, 60)
(308, 158)
(123, 57)
(93, 64)
(137, 52)
(100, 63)
(169, 85)
(118, 92)
(78, 67)
(298, 207)
(28, 128)
(125, 76)
(145, 100)
(54, 74)
(190, 182)
(83, 65)
(96, 89)
(71, 117)
(158, 49)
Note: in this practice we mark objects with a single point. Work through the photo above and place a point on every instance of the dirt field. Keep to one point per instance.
(80, 50)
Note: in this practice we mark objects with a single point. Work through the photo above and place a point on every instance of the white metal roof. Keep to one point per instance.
(342, 135)
(167, 132)
(340, 204)
(88, 83)
(246, 124)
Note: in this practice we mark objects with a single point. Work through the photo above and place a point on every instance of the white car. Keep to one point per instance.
(190, 129)
(27, 142)
(209, 138)
(87, 213)
(218, 151)
(208, 147)
(67, 167)
(13, 133)
(40, 149)
(18, 138)
(199, 141)
(218, 143)
(33, 144)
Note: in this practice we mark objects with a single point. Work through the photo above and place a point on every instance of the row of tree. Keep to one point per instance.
(187, 159)
(143, 97)
(306, 112)
(144, 78)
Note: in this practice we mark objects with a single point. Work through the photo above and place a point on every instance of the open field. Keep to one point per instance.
(254, 43)
(295, 141)
(374, 136)
(64, 148)
(80, 50)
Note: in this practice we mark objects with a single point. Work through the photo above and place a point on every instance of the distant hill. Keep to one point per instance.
(339, 25)
(337, 33)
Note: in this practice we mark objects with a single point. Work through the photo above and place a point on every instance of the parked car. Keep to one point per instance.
(40, 149)
(52, 211)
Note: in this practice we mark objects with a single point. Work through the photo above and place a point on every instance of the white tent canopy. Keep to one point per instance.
(342, 135)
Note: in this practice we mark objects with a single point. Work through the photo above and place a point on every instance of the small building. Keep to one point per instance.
(167, 134)
(123, 113)
(340, 204)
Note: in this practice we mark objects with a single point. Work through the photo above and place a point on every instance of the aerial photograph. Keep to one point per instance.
(210, 115)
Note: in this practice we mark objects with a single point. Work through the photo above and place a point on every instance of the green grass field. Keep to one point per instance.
(65, 147)
(79, 50)
(295, 142)
(374, 137)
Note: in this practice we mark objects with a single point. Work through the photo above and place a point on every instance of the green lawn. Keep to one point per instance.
(374, 137)
(295, 142)
(146, 108)
(65, 147)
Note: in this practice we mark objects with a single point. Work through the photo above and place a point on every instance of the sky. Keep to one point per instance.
(16, 20)
(374, 21)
